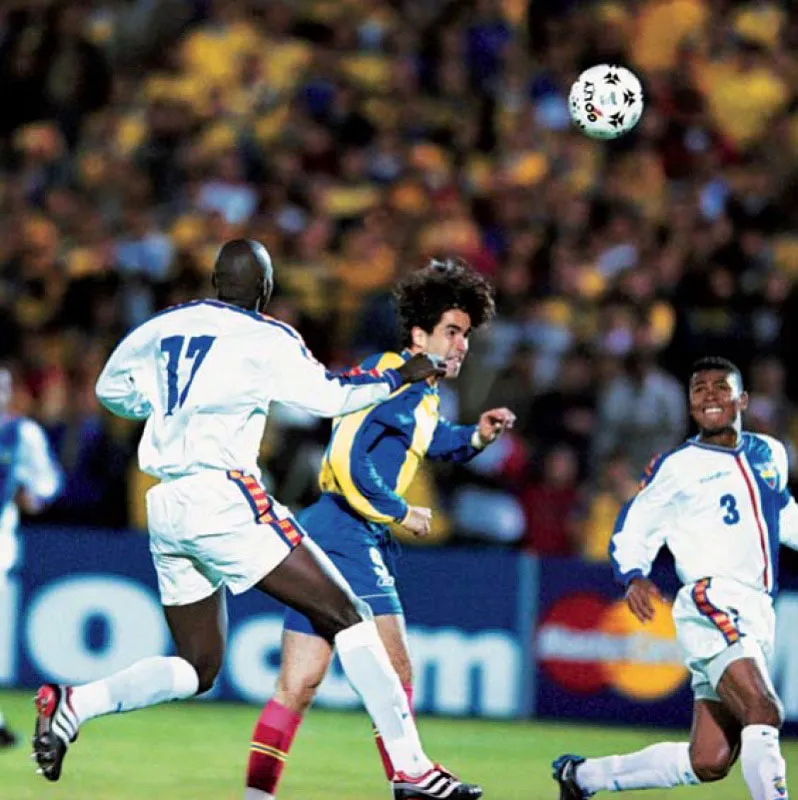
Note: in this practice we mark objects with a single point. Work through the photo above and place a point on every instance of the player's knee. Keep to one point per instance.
(709, 770)
(711, 766)
(330, 621)
(297, 691)
(208, 668)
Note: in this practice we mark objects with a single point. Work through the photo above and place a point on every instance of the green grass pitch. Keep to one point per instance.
(197, 751)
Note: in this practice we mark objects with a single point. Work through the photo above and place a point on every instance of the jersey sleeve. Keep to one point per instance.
(360, 480)
(788, 511)
(296, 378)
(37, 470)
(641, 526)
(122, 385)
(453, 442)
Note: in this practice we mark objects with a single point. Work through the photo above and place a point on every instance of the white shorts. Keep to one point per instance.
(215, 529)
(719, 621)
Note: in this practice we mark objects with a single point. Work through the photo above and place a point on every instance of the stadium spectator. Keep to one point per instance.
(355, 139)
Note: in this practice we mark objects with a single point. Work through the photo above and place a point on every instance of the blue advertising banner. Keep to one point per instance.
(491, 633)
(84, 604)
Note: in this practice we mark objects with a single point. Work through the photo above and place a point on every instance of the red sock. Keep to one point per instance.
(386, 759)
(271, 740)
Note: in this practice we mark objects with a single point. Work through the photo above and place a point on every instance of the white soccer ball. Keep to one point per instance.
(606, 101)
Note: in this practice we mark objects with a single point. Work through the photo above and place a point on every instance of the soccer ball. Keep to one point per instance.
(606, 101)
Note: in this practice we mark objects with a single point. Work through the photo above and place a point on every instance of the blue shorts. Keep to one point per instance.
(364, 552)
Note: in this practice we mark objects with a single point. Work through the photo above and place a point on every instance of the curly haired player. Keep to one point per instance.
(370, 461)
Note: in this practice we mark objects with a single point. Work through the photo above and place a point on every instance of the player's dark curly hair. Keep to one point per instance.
(716, 362)
(425, 295)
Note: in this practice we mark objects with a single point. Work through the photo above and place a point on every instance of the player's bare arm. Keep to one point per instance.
(640, 596)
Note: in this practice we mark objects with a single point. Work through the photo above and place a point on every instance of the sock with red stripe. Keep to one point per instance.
(387, 765)
(271, 740)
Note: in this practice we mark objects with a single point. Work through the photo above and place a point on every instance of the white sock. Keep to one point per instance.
(659, 766)
(257, 794)
(369, 670)
(145, 683)
(2, 720)
(763, 766)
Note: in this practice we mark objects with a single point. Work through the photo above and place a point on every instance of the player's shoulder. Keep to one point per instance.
(667, 464)
(382, 361)
(761, 446)
(761, 441)
(229, 317)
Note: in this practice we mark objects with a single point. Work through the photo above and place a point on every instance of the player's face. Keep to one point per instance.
(448, 340)
(5, 388)
(716, 400)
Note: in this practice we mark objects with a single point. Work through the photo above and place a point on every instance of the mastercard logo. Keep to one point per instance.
(588, 644)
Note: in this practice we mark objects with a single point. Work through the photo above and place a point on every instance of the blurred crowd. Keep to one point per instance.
(356, 139)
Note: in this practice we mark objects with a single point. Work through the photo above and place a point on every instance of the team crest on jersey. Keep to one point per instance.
(769, 474)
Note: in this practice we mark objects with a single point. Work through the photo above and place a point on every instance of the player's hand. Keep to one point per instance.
(640, 596)
(419, 368)
(493, 423)
(418, 520)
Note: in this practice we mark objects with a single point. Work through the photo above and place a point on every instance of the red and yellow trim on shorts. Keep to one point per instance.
(722, 621)
(256, 495)
(261, 505)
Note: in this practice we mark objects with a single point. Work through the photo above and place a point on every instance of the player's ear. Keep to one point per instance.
(213, 279)
(419, 337)
(744, 401)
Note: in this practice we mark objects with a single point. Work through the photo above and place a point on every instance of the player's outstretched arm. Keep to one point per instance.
(296, 378)
(462, 442)
(642, 524)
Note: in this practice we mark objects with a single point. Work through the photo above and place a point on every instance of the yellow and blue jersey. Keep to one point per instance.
(373, 454)
(369, 464)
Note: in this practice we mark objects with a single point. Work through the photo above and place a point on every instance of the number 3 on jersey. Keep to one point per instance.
(198, 347)
(732, 515)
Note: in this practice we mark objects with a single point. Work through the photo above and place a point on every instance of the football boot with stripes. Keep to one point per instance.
(56, 728)
(435, 782)
(563, 770)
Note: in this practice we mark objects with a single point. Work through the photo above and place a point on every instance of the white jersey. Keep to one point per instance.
(203, 375)
(721, 512)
